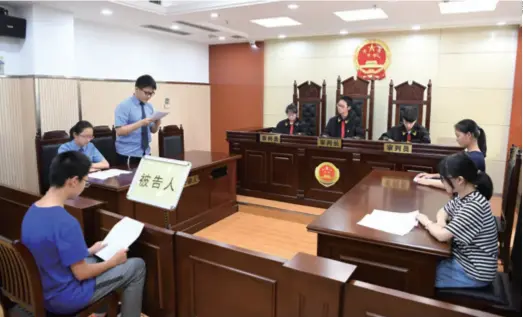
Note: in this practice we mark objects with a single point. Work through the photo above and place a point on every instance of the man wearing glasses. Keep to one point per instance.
(134, 124)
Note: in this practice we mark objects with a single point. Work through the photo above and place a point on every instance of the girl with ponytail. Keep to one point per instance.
(81, 135)
(473, 139)
(467, 221)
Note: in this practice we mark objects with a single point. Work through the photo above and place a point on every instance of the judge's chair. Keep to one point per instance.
(46, 149)
(409, 95)
(104, 138)
(362, 93)
(310, 98)
(21, 287)
(171, 143)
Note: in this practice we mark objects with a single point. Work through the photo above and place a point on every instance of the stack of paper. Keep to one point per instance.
(107, 174)
(121, 236)
(392, 222)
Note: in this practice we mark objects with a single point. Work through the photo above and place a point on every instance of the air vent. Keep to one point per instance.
(237, 37)
(199, 27)
(158, 2)
(212, 36)
(161, 28)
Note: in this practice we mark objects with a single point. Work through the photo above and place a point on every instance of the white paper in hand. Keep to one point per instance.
(121, 236)
(158, 115)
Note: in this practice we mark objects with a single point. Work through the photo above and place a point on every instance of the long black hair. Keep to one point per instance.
(470, 126)
(79, 127)
(460, 164)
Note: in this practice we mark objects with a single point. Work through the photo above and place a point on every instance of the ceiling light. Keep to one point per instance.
(344, 32)
(282, 36)
(221, 38)
(293, 6)
(361, 15)
(106, 12)
(214, 15)
(501, 23)
(416, 27)
(175, 27)
(467, 6)
(276, 22)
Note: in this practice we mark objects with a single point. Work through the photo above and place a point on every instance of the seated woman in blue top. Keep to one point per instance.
(467, 221)
(469, 136)
(81, 135)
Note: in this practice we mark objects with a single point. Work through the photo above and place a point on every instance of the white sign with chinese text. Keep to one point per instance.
(159, 182)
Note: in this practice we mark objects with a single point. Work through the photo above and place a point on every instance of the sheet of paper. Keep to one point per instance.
(121, 236)
(391, 222)
(108, 173)
(158, 115)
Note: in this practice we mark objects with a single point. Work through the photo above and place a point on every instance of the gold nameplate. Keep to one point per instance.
(402, 148)
(395, 183)
(270, 138)
(328, 142)
(192, 180)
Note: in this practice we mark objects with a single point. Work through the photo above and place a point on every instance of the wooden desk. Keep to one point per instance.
(210, 196)
(406, 263)
(285, 171)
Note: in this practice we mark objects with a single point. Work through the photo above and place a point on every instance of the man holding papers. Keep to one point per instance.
(135, 120)
(71, 277)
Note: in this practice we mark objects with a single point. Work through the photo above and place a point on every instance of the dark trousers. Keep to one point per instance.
(129, 161)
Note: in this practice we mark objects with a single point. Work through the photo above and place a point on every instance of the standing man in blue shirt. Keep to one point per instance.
(134, 124)
(71, 276)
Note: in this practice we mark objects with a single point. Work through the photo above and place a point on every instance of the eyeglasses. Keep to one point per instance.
(148, 93)
(88, 137)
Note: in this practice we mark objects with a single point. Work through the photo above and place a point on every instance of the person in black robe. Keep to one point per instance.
(291, 125)
(347, 124)
(409, 130)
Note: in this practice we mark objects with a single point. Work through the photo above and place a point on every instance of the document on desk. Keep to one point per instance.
(158, 115)
(398, 223)
(108, 173)
(121, 236)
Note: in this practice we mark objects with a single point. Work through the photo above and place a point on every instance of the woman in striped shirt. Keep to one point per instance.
(467, 221)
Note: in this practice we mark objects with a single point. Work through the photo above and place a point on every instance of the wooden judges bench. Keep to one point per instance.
(209, 194)
(283, 167)
(189, 276)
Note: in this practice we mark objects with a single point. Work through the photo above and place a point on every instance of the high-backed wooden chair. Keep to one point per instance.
(21, 285)
(409, 95)
(509, 205)
(171, 143)
(311, 100)
(362, 93)
(104, 138)
(55, 134)
(46, 150)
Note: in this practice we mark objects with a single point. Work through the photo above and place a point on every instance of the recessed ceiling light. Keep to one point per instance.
(175, 27)
(221, 38)
(416, 27)
(344, 32)
(467, 6)
(214, 15)
(501, 23)
(106, 12)
(361, 15)
(276, 22)
(293, 6)
(282, 36)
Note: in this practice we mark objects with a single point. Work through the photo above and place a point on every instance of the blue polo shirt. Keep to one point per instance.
(56, 241)
(478, 158)
(127, 112)
(89, 150)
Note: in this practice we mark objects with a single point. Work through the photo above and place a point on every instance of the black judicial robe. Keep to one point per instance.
(353, 127)
(284, 127)
(399, 133)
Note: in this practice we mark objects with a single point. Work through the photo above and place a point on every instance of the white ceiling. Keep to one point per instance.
(316, 17)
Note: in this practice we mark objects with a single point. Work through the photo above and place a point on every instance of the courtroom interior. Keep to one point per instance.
(244, 158)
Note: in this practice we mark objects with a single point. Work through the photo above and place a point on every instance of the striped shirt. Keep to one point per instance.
(475, 241)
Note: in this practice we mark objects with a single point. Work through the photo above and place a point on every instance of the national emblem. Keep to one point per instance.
(371, 59)
(327, 174)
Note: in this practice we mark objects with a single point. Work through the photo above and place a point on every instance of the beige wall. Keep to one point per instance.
(59, 99)
(472, 72)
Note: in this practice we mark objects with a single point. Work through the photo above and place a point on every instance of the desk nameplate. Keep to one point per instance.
(329, 143)
(192, 180)
(401, 148)
(270, 138)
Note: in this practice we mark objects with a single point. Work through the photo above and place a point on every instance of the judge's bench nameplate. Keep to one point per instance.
(329, 142)
(270, 138)
(401, 148)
